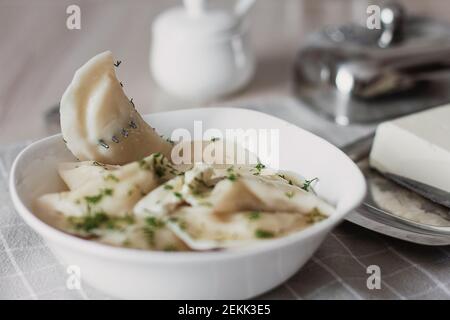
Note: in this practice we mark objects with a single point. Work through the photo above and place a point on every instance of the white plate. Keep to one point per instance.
(233, 274)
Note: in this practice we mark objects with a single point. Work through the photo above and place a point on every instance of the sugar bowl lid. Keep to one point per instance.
(196, 21)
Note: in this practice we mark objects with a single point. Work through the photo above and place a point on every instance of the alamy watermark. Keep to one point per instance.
(73, 281)
(374, 280)
(229, 146)
(73, 21)
(374, 17)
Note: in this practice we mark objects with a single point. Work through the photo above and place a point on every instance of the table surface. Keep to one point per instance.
(38, 62)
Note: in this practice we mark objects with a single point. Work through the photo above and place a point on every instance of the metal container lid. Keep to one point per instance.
(353, 74)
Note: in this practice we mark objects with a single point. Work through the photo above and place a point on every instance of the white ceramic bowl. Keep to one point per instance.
(242, 273)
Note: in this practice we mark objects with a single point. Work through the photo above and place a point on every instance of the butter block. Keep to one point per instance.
(416, 147)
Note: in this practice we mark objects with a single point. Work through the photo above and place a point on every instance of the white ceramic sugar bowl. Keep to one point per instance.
(201, 54)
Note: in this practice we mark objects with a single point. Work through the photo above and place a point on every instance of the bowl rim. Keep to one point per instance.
(132, 254)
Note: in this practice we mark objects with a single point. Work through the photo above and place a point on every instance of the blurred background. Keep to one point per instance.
(38, 54)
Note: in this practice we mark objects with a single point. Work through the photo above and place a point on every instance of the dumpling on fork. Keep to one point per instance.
(100, 123)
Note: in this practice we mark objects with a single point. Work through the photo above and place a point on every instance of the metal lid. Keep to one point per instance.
(354, 74)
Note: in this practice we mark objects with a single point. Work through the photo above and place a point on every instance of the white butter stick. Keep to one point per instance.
(416, 147)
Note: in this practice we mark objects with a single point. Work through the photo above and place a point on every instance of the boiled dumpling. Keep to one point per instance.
(202, 229)
(182, 189)
(150, 233)
(115, 194)
(249, 192)
(76, 174)
(161, 200)
(100, 123)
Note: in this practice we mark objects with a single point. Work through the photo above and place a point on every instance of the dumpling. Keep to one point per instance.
(100, 123)
(231, 190)
(150, 233)
(113, 195)
(161, 200)
(211, 208)
(202, 229)
(182, 189)
(76, 174)
(249, 192)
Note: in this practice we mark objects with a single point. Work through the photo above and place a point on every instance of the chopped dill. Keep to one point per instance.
(289, 194)
(97, 198)
(154, 222)
(307, 184)
(264, 234)
(315, 216)
(258, 168)
(178, 195)
(288, 180)
(89, 222)
(111, 177)
(254, 215)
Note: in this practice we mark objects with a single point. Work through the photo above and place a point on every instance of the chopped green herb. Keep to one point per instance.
(315, 216)
(260, 166)
(168, 187)
(94, 199)
(307, 184)
(289, 194)
(232, 177)
(178, 195)
(254, 215)
(111, 177)
(160, 171)
(97, 198)
(89, 222)
(154, 222)
(263, 234)
(143, 164)
(288, 180)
